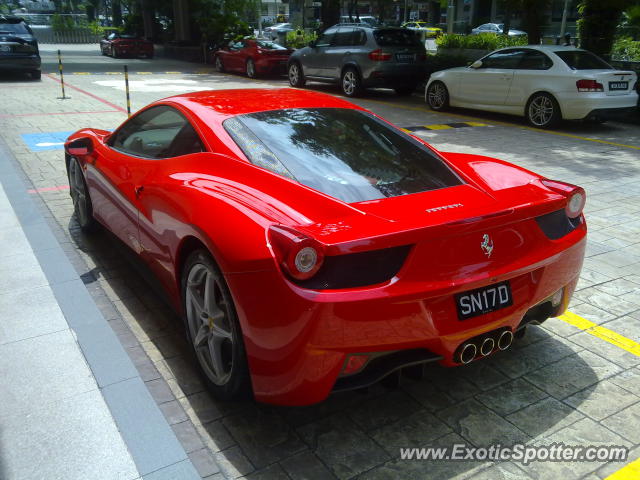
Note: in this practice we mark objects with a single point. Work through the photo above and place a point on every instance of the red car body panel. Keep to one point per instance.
(134, 47)
(266, 61)
(297, 339)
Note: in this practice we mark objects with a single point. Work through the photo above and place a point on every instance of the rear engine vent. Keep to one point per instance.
(557, 224)
(357, 269)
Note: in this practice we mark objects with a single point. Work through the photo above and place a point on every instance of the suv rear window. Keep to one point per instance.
(583, 60)
(397, 38)
(347, 154)
(19, 28)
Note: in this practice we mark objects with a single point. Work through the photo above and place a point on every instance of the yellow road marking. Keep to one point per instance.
(437, 127)
(630, 471)
(173, 73)
(477, 124)
(113, 73)
(81, 73)
(602, 333)
(143, 73)
(505, 124)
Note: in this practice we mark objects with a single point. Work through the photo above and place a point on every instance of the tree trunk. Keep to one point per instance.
(116, 13)
(330, 14)
(533, 18)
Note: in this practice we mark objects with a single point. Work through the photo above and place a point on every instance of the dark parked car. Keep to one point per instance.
(121, 45)
(358, 57)
(18, 47)
(253, 57)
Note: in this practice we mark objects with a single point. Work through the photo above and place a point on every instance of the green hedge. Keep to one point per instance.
(626, 48)
(295, 40)
(483, 41)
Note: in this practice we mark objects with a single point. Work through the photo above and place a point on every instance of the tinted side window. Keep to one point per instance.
(359, 37)
(582, 60)
(325, 39)
(343, 38)
(159, 132)
(503, 59)
(397, 38)
(534, 60)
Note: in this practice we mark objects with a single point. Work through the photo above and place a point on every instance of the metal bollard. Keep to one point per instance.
(126, 85)
(64, 97)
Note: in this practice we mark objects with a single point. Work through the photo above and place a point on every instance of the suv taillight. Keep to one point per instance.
(379, 56)
(589, 86)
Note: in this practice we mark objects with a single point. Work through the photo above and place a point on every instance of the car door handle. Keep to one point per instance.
(138, 190)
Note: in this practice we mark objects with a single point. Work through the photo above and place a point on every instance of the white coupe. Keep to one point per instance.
(543, 83)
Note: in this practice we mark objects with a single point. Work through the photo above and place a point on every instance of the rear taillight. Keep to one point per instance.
(576, 196)
(589, 86)
(298, 255)
(379, 56)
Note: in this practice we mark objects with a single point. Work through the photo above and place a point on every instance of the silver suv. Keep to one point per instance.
(359, 57)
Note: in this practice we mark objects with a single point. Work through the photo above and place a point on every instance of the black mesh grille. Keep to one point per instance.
(358, 269)
(556, 224)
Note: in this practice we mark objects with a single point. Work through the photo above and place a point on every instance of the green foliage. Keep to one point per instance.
(443, 61)
(627, 49)
(60, 23)
(598, 23)
(300, 38)
(96, 28)
(483, 41)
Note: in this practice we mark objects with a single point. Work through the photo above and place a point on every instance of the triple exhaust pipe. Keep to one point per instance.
(483, 345)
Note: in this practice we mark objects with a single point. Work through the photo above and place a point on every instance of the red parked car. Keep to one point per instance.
(312, 247)
(122, 45)
(253, 57)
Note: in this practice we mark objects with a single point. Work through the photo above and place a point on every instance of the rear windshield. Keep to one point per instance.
(397, 38)
(582, 60)
(19, 28)
(347, 154)
(269, 45)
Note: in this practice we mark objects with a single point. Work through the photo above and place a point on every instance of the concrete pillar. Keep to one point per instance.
(181, 19)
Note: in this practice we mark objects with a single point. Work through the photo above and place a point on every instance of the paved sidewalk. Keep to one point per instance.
(72, 405)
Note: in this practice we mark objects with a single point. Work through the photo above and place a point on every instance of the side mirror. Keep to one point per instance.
(80, 147)
(476, 64)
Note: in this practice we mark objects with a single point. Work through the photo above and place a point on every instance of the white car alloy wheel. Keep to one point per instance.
(542, 110)
(437, 96)
(219, 65)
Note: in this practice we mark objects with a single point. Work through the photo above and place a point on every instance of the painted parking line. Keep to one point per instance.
(504, 124)
(444, 126)
(602, 333)
(40, 142)
(629, 472)
(59, 188)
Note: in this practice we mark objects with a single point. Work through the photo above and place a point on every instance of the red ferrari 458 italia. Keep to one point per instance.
(121, 45)
(253, 57)
(313, 247)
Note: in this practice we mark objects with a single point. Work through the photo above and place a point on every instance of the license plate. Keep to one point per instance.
(400, 57)
(5, 48)
(618, 85)
(483, 300)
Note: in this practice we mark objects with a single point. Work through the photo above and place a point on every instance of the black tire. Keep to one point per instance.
(542, 111)
(236, 384)
(437, 96)
(218, 63)
(296, 75)
(36, 74)
(405, 90)
(82, 206)
(250, 69)
(350, 82)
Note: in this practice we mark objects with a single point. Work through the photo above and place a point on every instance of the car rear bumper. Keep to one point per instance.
(20, 63)
(298, 340)
(586, 105)
(396, 77)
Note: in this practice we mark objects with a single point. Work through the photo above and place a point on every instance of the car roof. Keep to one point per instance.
(548, 48)
(217, 105)
(10, 19)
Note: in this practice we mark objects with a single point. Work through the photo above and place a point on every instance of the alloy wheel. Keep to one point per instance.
(541, 111)
(208, 319)
(437, 96)
(294, 75)
(251, 69)
(349, 82)
(219, 65)
(78, 193)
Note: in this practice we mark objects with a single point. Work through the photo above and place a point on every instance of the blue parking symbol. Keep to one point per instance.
(39, 142)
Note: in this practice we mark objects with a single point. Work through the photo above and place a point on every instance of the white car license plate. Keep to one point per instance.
(405, 57)
(483, 300)
(618, 85)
